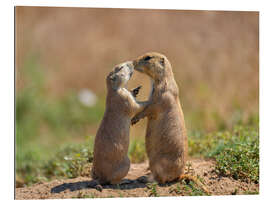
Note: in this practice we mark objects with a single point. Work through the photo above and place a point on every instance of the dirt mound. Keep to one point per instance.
(131, 187)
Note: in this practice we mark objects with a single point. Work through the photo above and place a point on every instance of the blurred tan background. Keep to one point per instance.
(215, 55)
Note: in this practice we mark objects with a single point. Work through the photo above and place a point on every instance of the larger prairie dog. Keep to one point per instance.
(111, 162)
(166, 138)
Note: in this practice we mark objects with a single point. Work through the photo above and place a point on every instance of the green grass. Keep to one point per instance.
(45, 123)
(236, 152)
(176, 189)
(194, 190)
(239, 158)
(153, 189)
(70, 161)
(252, 192)
(187, 188)
(136, 151)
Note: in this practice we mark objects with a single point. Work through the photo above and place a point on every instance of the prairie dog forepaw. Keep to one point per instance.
(135, 91)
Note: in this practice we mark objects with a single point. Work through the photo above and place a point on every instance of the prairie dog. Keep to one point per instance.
(111, 162)
(166, 138)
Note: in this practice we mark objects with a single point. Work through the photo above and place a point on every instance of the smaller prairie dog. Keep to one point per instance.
(111, 162)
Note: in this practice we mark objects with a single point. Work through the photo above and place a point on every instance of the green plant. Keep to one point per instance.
(194, 191)
(236, 152)
(176, 189)
(136, 151)
(120, 194)
(70, 161)
(239, 157)
(153, 189)
(251, 192)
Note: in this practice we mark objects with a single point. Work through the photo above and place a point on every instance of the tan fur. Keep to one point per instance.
(111, 162)
(166, 139)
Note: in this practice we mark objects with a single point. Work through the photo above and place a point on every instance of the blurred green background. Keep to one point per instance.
(64, 54)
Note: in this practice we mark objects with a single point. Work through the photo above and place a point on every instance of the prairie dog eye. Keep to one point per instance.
(147, 58)
(112, 78)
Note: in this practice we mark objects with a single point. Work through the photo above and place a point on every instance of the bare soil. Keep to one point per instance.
(79, 187)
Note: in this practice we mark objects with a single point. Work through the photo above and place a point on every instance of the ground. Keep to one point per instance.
(200, 168)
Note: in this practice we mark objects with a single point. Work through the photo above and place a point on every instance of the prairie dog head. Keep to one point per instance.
(120, 75)
(153, 64)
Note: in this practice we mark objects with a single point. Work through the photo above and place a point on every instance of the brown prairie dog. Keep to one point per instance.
(111, 162)
(166, 138)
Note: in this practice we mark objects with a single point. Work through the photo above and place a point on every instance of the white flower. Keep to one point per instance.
(87, 97)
